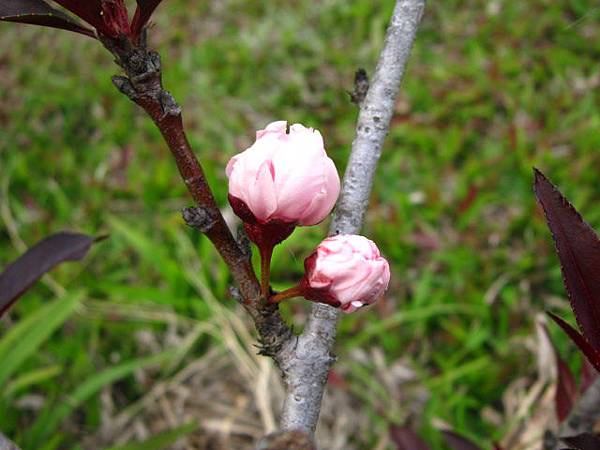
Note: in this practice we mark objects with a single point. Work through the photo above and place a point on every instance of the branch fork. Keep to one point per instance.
(304, 360)
(199, 218)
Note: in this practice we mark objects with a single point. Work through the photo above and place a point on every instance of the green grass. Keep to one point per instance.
(492, 89)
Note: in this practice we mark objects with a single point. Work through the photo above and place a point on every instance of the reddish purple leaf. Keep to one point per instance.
(566, 390)
(578, 249)
(116, 17)
(142, 15)
(38, 12)
(566, 386)
(588, 375)
(39, 259)
(580, 341)
(88, 10)
(585, 441)
(407, 439)
(457, 442)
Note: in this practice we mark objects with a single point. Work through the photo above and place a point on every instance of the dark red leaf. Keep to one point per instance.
(407, 439)
(578, 249)
(142, 15)
(457, 442)
(585, 441)
(580, 341)
(39, 259)
(566, 390)
(116, 17)
(38, 12)
(566, 386)
(588, 375)
(88, 10)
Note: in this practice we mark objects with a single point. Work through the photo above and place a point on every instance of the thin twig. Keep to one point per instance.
(307, 369)
(143, 85)
(583, 418)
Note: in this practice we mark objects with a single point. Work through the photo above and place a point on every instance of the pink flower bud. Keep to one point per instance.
(283, 177)
(346, 271)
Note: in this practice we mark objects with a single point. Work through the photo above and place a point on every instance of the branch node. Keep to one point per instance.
(236, 294)
(143, 65)
(168, 104)
(199, 217)
(273, 333)
(243, 242)
(124, 86)
(361, 87)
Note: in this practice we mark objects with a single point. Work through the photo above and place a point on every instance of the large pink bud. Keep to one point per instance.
(283, 177)
(345, 271)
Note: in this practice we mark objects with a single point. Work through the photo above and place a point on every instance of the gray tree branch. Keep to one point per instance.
(6, 444)
(306, 368)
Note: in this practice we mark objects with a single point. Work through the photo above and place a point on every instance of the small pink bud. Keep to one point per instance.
(283, 177)
(345, 271)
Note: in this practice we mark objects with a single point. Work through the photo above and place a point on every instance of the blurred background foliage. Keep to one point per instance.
(493, 88)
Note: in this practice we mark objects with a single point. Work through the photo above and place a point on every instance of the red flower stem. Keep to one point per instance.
(295, 291)
(266, 253)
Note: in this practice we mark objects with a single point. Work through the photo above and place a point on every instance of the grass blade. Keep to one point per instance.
(49, 422)
(31, 378)
(150, 253)
(161, 440)
(24, 339)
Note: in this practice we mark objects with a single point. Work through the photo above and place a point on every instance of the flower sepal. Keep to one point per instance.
(264, 235)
